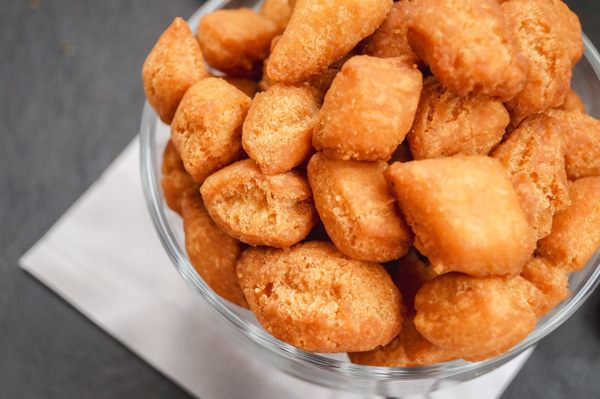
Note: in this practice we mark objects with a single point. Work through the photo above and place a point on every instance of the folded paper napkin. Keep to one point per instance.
(103, 257)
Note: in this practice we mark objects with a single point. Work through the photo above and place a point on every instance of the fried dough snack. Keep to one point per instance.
(236, 41)
(257, 209)
(389, 40)
(176, 180)
(536, 27)
(207, 126)
(320, 32)
(446, 124)
(574, 237)
(212, 252)
(572, 102)
(534, 157)
(453, 308)
(571, 29)
(277, 133)
(390, 355)
(550, 280)
(468, 47)
(174, 64)
(408, 349)
(357, 209)
(369, 109)
(278, 11)
(582, 138)
(465, 214)
(317, 299)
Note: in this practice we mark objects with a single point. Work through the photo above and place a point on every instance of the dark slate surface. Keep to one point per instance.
(70, 100)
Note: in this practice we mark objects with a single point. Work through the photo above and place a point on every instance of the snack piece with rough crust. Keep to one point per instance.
(319, 300)
(173, 65)
(572, 102)
(320, 32)
(582, 139)
(357, 209)
(468, 47)
(389, 40)
(390, 355)
(176, 180)
(465, 214)
(536, 27)
(212, 252)
(277, 133)
(534, 157)
(476, 317)
(550, 280)
(207, 127)
(574, 237)
(408, 349)
(369, 109)
(276, 211)
(236, 41)
(572, 31)
(278, 11)
(446, 124)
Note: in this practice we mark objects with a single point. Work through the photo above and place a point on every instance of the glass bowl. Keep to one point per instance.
(335, 371)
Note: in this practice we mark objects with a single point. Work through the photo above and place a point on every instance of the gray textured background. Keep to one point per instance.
(70, 100)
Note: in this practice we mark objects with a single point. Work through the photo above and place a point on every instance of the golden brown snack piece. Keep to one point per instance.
(276, 210)
(476, 317)
(420, 351)
(248, 86)
(468, 47)
(389, 40)
(176, 180)
(236, 41)
(446, 124)
(277, 132)
(536, 27)
(369, 109)
(390, 355)
(278, 11)
(465, 214)
(174, 64)
(571, 29)
(574, 237)
(549, 279)
(317, 299)
(357, 209)
(320, 32)
(534, 157)
(572, 102)
(408, 349)
(207, 126)
(213, 253)
(582, 138)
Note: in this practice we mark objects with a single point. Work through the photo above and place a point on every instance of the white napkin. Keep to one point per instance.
(104, 257)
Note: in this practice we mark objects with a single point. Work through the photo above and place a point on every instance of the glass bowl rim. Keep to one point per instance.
(323, 364)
